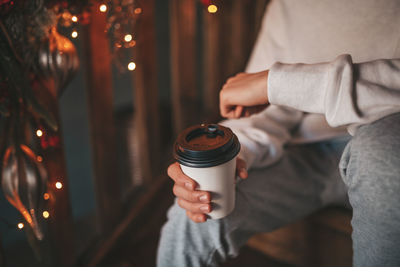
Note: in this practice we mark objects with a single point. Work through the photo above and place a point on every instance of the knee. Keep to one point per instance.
(185, 243)
(371, 161)
(370, 167)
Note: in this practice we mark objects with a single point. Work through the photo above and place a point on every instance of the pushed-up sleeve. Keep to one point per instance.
(346, 93)
(263, 135)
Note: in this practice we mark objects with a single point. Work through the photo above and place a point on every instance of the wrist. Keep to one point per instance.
(262, 94)
(265, 87)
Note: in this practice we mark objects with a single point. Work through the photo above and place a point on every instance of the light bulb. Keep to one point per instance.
(74, 34)
(46, 214)
(59, 185)
(131, 66)
(103, 8)
(212, 8)
(39, 133)
(128, 38)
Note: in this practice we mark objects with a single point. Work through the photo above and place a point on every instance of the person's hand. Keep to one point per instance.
(244, 94)
(196, 203)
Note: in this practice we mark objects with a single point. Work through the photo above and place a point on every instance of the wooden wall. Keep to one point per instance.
(101, 120)
(206, 55)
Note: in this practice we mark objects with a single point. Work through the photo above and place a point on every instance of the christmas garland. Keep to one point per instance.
(33, 51)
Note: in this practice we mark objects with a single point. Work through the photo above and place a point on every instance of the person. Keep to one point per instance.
(298, 153)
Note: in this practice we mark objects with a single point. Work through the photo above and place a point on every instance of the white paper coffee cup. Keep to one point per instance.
(207, 154)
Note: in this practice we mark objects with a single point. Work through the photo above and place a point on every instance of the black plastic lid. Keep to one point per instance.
(206, 145)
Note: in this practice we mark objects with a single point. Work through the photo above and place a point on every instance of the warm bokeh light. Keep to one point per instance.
(20, 225)
(128, 38)
(74, 34)
(39, 158)
(212, 8)
(131, 43)
(131, 66)
(27, 216)
(46, 214)
(74, 18)
(39, 133)
(103, 8)
(59, 185)
(138, 10)
(46, 196)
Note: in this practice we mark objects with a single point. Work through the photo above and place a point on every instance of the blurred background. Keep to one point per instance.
(147, 69)
(93, 94)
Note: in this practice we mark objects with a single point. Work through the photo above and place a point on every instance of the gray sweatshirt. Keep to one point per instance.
(333, 65)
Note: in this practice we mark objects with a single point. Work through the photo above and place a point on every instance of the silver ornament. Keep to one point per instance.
(23, 181)
(58, 59)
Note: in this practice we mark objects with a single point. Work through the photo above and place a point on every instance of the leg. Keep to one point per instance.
(370, 166)
(304, 180)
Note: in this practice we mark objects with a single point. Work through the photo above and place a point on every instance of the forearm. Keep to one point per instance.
(346, 93)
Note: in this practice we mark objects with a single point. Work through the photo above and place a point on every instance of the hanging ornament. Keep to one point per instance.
(23, 183)
(58, 59)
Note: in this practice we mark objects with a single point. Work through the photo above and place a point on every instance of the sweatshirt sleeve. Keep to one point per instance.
(346, 93)
(263, 135)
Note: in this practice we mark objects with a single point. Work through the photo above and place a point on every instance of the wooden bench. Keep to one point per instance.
(322, 239)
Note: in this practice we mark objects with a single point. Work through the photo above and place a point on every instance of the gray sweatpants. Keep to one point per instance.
(306, 179)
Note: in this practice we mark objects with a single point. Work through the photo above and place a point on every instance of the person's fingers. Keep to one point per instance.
(254, 109)
(175, 172)
(227, 109)
(247, 90)
(194, 207)
(196, 217)
(238, 111)
(241, 168)
(230, 112)
(194, 196)
(227, 112)
(224, 109)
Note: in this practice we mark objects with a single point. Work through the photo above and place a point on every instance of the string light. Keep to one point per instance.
(103, 8)
(20, 225)
(39, 133)
(128, 38)
(46, 214)
(74, 34)
(212, 8)
(131, 66)
(130, 44)
(138, 10)
(74, 18)
(59, 185)
(39, 158)
(46, 196)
